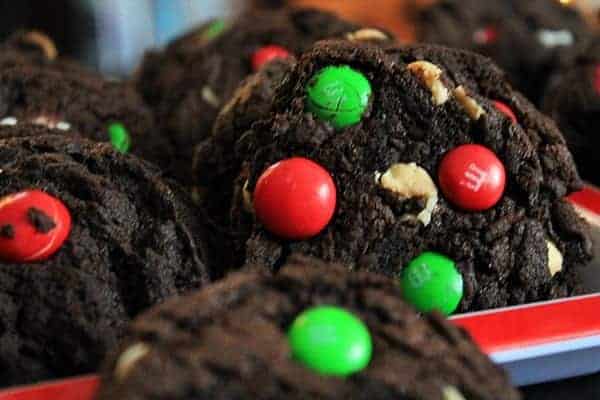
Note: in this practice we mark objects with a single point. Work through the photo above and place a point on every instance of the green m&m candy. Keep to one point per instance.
(432, 282)
(331, 341)
(338, 94)
(213, 29)
(119, 137)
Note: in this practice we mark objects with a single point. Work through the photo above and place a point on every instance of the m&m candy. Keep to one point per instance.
(339, 95)
(485, 36)
(33, 226)
(119, 137)
(266, 54)
(506, 110)
(432, 282)
(331, 341)
(295, 198)
(214, 29)
(472, 177)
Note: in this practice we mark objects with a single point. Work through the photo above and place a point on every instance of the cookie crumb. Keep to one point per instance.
(40, 220)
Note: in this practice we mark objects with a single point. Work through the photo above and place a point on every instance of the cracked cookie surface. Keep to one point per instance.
(229, 341)
(36, 88)
(503, 251)
(135, 240)
(196, 75)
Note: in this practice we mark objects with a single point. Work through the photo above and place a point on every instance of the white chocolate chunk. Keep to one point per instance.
(210, 97)
(9, 121)
(51, 122)
(44, 42)
(366, 35)
(247, 197)
(555, 258)
(472, 108)
(452, 393)
(410, 181)
(129, 358)
(429, 74)
(63, 126)
(554, 38)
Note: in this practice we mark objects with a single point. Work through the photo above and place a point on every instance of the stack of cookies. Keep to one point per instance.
(315, 197)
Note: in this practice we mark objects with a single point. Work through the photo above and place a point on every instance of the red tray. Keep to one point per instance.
(534, 342)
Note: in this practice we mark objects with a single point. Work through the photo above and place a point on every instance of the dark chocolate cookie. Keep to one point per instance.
(89, 237)
(573, 101)
(195, 75)
(394, 176)
(214, 162)
(233, 340)
(528, 39)
(36, 87)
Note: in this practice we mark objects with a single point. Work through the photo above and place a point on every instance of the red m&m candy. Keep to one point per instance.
(472, 177)
(266, 54)
(506, 110)
(486, 35)
(33, 226)
(295, 198)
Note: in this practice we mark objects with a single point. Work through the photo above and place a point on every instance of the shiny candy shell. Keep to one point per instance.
(432, 282)
(33, 226)
(472, 177)
(339, 95)
(331, 341)
(266, 54)
(295, 198)
(506, 110)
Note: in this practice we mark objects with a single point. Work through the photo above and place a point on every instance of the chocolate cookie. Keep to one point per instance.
(244, 338)
(194, 76)
(89, 237)
(528, 39)
(36, 87)
(573, 101)
(214, 162)
(371, 158)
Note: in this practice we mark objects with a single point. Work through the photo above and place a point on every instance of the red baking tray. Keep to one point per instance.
(534, 342)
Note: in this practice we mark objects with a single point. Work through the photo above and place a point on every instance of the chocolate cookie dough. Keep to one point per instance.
(195, 76)
(242, 338)
(573, 101)
(89, 238)
(429, 150)
(36, 87)
(528, 39)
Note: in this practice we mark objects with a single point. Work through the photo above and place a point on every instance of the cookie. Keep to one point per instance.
(242, 338)
(528, 39)
(372, 157)
(214, 162)
(89, 238)
(36, 87)
(195, 76)
(573, 101)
